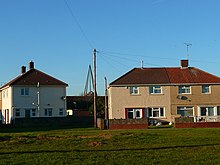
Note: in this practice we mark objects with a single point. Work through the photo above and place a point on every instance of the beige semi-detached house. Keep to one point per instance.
(165, 93)
(33, 94)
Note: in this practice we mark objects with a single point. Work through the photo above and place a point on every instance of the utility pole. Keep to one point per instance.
(95, 93)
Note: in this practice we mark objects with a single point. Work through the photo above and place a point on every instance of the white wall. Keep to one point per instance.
(7, 105)
(50, 97)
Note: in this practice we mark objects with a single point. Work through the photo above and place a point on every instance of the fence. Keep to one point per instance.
(72, 121)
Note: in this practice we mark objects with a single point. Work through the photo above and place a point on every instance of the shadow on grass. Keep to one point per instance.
(37, 129)
(106, 150)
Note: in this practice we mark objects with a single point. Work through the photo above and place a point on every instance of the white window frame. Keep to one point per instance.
(25, 91)
(134, 90)
(204, 88)
(185, 108)
(134, 112)
(61, 112)
(33, 112)
(207, 110)
(185, 88)
(17, 112)
(48, 112)
(156, 109)
(154, 89)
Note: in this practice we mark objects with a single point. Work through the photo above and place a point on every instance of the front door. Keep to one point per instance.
(6, 119)
(27, 113)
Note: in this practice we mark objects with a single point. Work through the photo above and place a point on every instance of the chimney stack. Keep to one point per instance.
(23, 69)
(31, 65)
(184, 64)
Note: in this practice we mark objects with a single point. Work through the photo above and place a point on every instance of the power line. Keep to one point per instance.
(118, 70)
(78, 24)
(154, 57)
(139, 55)
(128, 59)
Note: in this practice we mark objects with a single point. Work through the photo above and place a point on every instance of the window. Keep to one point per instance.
(206, 89)
(185, 111)
(0, 114)
(207, 111)
(134, 90)
(218, 111)
(134, 113)
(156, 112)
(24, 91)
(184, 89)
(61, 112)
(155, 89)
(6, 93)
(48, 112)
(17, 112)
(3, 94)
(33, 112)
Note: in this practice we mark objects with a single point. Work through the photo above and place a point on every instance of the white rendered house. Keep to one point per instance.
(33, 94)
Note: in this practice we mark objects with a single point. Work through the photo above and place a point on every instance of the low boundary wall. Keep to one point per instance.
(198, 125)
(128, 123)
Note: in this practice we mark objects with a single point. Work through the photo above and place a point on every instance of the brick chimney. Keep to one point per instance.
(184, 64)
(31, 65)
(23, 69)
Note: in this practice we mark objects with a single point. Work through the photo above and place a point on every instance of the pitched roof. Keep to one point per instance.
(32, 77)
(166, 76)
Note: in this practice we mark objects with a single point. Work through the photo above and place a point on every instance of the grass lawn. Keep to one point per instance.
(91, 146)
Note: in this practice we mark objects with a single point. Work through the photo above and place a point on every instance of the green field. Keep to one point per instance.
(91, 146)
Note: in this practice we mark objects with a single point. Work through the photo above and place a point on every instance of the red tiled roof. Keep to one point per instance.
(143, 76)
(32, 77)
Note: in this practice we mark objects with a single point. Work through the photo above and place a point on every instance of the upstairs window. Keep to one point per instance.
(184, 89)
(155, 89)
(134, 90)
(3, 94)
(206, 89)
(24, 91)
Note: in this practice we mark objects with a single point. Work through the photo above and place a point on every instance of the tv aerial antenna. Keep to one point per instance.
(187, 49)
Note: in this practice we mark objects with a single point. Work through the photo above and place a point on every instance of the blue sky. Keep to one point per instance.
(124, 32)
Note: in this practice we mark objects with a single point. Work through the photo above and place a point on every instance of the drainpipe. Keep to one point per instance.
(38, 99)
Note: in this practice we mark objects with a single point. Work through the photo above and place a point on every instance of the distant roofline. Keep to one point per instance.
(168, 84)
(10, 83)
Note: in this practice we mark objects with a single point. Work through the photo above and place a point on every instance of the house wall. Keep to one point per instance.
(0, 100)
(50, 97)
(195, 99)
(120, 98)
(0, 107)
(7, 105)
